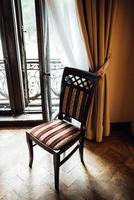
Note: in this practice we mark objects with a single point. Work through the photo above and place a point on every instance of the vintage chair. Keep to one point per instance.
(59, 135)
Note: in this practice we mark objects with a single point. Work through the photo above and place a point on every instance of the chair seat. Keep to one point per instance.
(55, 134)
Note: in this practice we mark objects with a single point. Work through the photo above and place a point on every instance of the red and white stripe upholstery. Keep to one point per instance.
(55, 134)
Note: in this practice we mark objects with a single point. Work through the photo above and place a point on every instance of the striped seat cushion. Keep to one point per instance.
(55, 134)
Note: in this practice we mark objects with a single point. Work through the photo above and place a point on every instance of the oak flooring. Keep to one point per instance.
(108, 173)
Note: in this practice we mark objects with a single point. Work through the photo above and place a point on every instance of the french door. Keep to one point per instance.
(27, 34)
(32, 68)
(11, 65)
(34, 49)
(19, 63)
(4, 95)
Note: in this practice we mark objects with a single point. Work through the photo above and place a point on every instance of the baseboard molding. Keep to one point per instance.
(132, 127)
(121, 127)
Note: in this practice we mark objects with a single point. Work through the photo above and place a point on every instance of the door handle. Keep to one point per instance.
(46, 74)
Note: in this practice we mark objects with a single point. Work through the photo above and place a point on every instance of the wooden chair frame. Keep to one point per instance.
(80, 138)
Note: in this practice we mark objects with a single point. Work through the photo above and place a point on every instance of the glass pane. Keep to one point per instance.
(29, 28)
(4, 96)
(31, 48)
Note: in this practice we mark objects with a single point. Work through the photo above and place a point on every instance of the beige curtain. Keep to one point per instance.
(97, 21)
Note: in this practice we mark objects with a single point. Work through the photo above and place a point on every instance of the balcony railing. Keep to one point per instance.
(32, 82)
(4, 98)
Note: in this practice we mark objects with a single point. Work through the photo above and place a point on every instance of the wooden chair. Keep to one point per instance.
(59, 135)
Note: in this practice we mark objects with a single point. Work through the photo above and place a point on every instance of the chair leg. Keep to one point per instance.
(81, 149)
(56, 170)
(30, 147)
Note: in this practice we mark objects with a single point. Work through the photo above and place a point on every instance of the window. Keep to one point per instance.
(19, 64)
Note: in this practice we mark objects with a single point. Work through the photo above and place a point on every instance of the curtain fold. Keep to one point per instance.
(67, 33)
(97, 20)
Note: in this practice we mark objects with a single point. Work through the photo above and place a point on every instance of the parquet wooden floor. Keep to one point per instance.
(108, 172)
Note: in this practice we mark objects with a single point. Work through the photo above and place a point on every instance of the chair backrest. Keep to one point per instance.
(77, 88)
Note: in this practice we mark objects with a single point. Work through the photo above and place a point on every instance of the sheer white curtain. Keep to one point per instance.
(64, 22)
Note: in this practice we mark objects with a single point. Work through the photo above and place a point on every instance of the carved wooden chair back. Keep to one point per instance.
(76, 93)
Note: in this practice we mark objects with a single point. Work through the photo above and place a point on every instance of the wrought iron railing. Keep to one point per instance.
(4, 98)
(32, 81)
(56, 70)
